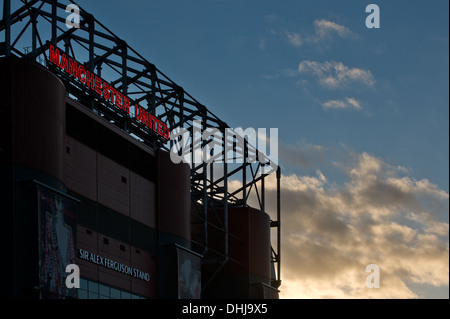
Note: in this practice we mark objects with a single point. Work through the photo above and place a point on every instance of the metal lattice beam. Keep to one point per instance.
(102, 52)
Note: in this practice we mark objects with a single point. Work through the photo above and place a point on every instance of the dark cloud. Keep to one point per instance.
(301, 154)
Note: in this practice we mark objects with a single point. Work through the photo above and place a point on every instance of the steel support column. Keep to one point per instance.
(7, 19)
(279, 223)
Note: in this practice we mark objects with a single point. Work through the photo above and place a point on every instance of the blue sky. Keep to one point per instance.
(241, 59)
(362, 117)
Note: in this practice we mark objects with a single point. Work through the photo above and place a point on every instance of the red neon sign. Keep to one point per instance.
(105, 90)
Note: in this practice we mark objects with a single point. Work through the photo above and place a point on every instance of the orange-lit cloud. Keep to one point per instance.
(333, 75)
(380, 215)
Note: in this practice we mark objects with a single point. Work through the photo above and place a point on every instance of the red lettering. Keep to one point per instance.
(151, 122)
(108, 92)
(63, 64)
(82, 70)
(90, 80)
(126, 105)
(144, 117)
(73, 68)
(98, 85)
(159, 127)
(138, 114)
(105, 91)
(113, 94)
(166, 134)
(54, 55)
(119, 100)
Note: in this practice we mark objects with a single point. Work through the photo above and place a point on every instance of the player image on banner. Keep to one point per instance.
(57, 229)
(189, 275)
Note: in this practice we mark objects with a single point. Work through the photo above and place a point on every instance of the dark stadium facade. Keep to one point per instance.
(86, 177)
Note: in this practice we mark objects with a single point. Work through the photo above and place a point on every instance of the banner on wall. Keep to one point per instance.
(189, 275)
(57, 238)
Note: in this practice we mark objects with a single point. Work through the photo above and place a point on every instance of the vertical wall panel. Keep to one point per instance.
(174, 197)
(144, 261)
(81, 169)
(87, 242)
(35, 114)
(113, 185)
(142, 193)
